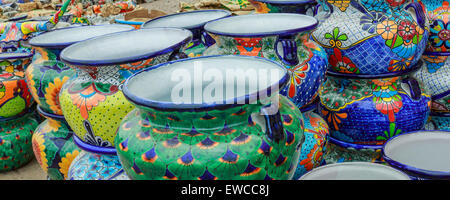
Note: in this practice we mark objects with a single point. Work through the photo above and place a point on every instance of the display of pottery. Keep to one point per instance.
(355, 171)
(438, 17)
(288, 43)
(372, 37)
(193, 21)
(421, 155)
(338, 152)
(254, 135)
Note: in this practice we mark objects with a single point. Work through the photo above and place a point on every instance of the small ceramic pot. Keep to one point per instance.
(316, 140)
(288, 43)
(15, 98)
(371, 109)
(355, 171)
(372, 37)
(15, 141)
(53, 146)
(193, 21)
(306, 7)
(92, 101)
(338, 152)
(438, 17)
(255, 136)
(135, 24)
(438, 121)
(421, 155)
(46, 75)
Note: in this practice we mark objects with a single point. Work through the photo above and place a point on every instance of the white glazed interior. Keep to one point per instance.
(186, 20)
(72, 35)
(260, 23)
(121, 46)
(158, 84)
(355, 171)
(428, 150)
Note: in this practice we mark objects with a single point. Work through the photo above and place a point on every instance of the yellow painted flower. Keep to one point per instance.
(52, 94)
(39, 149)
(66, 162)
(51, 126)
(31, 83)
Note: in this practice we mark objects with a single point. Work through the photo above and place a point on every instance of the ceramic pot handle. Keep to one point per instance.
(274, 125)
(414, 87)
(207, 40)
(419, 13)
(316, 9)
(286, 50)
(177, 54)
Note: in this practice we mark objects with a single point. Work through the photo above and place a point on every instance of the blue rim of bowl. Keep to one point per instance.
(201, 25)
(92, 148)
(438, 53)
(119, 21)
(440, 114)
(131, 59)
(63, 45)
(169, 106)
(26, 55)
(442, 95)
(311, 106)
(50, 115)
(414, 68)
(293, 2)
(354, 146)
(413, 170)
(264, 34)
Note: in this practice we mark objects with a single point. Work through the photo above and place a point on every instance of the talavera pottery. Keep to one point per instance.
(438, 121)
(255, 134)
(438, 12)
(338, 152)
(316, 139)
(285, 6)
(371, 109)
(47, 74)
(53, 146)
(287, 43)
(355, 171)
(193, 21)
(15, 141)
(135, 24)
(372, 37)
(422, 154)
(15, 98)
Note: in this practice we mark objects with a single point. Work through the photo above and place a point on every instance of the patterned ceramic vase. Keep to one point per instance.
(429, 160)
(53, 146)
(262, 35)
(15, 141)
(372, 36)
(285, 6)
(338, 152)
(193, 21)
(253, 136)
(135, 24)
(316, 139)
(438, 121)
(369, 109)
(439, 20)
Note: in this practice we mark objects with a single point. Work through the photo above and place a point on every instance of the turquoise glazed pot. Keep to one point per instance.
(372, 36)
(338, 152)
(255, 135)
(430, 157)
(261, 35)
(193, 21)
(438, 121)
(439, 20)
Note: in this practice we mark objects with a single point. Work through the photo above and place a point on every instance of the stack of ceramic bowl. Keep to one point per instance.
(52, 141)
(93, 103)
(193, 21)
(370, 95)
(17, 123)
(435, 76)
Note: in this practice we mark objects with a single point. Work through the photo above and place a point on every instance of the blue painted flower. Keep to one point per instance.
(440, 34)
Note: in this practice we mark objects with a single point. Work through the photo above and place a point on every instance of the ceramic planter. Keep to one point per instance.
(222, 138)
(338, 152)
(47, 74)
(438, 17)
(15, 141)
(262, 35)
(369, 110)
(285, 6)
(372, 37)
(53, 146)
(355, 171)
(429, 160)
(193, 21)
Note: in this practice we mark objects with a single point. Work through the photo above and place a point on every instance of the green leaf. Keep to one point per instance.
(336, 32)
(328, 36)
(343, 37)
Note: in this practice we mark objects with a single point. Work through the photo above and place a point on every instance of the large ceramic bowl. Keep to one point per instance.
(422, 154)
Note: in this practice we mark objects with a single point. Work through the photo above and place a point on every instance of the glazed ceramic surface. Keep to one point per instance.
(338, 152)
(438, 15)
(136, 25)
(193, 21)
(15, 98)
(92, 101)
(370, 111)
(287, 43)
(221, 138)
(53, 146)
(372, 36)
(422, 154)
(438, 121)
(355, 171)
(15, 142)
(91, 166)
(47, 74)
(285, 6)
